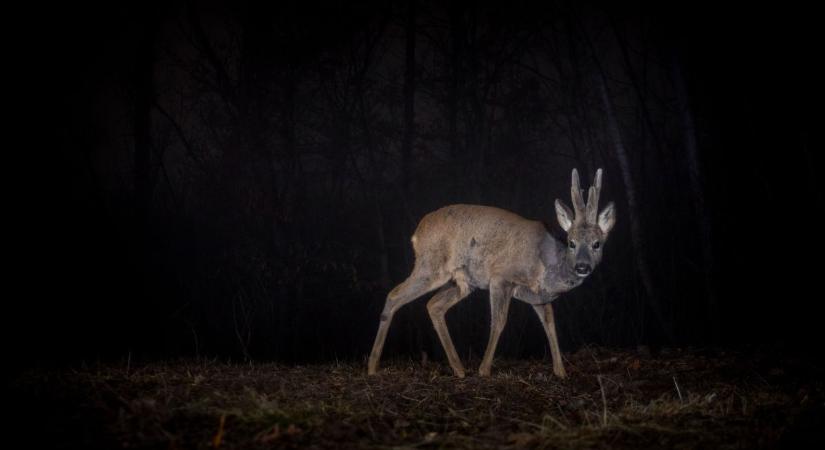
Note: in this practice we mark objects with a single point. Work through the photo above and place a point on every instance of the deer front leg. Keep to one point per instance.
(500, 294)
(548, 320)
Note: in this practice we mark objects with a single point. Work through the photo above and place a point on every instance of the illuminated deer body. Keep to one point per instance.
(460, 248)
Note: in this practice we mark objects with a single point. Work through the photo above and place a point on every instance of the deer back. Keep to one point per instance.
(481, 242)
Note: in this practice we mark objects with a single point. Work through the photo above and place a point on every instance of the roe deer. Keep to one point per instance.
(460, 248)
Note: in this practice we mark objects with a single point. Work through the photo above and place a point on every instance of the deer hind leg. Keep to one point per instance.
(548, 320)
(500, 295)
(438, 306)
(418, 284)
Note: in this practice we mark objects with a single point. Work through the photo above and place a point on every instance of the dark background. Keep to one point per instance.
(241, 180)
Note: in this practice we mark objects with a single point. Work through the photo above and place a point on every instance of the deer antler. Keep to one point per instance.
(593, 199)
(578, 200)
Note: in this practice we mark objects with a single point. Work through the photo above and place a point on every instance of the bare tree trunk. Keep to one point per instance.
(408, 143)
(409, 100)
(640, 95)
(383, 252)
(637, 241)
(456, 37)
(144, 99)
(477, 129)
(698, 198)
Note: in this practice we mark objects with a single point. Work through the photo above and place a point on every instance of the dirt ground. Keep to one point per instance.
(612, 398)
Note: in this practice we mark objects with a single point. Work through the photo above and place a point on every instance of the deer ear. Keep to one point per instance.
(564, 215)
(607, 218)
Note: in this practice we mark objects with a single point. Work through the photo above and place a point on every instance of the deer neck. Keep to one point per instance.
(558, 272)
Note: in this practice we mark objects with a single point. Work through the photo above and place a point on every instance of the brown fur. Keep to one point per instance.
(460, 248)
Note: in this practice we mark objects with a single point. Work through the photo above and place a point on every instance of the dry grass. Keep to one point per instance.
(611, 399)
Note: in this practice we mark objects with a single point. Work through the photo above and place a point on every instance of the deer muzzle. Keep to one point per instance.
(582, 269)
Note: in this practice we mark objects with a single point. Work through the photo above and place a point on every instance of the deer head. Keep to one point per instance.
(586, 228)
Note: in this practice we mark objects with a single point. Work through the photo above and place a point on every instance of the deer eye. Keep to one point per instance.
(571, 244)
(596, 245)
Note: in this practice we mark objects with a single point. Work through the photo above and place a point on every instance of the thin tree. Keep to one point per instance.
(633, 209)
(144, 93)
(697, 195)
(409, 99)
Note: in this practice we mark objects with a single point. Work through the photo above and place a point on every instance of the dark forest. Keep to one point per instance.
(239, 181)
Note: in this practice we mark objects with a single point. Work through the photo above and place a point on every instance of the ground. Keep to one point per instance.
(611, 398)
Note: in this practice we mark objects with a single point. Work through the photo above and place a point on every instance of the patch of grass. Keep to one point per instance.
(612, 398)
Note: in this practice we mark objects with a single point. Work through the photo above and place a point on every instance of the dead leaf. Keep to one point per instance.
(273, 435)
(216, 441)
(521, 439)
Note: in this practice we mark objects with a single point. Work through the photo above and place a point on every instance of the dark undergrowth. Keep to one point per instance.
(612, 398)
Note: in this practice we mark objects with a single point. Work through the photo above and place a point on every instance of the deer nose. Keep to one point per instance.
(582, 269)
